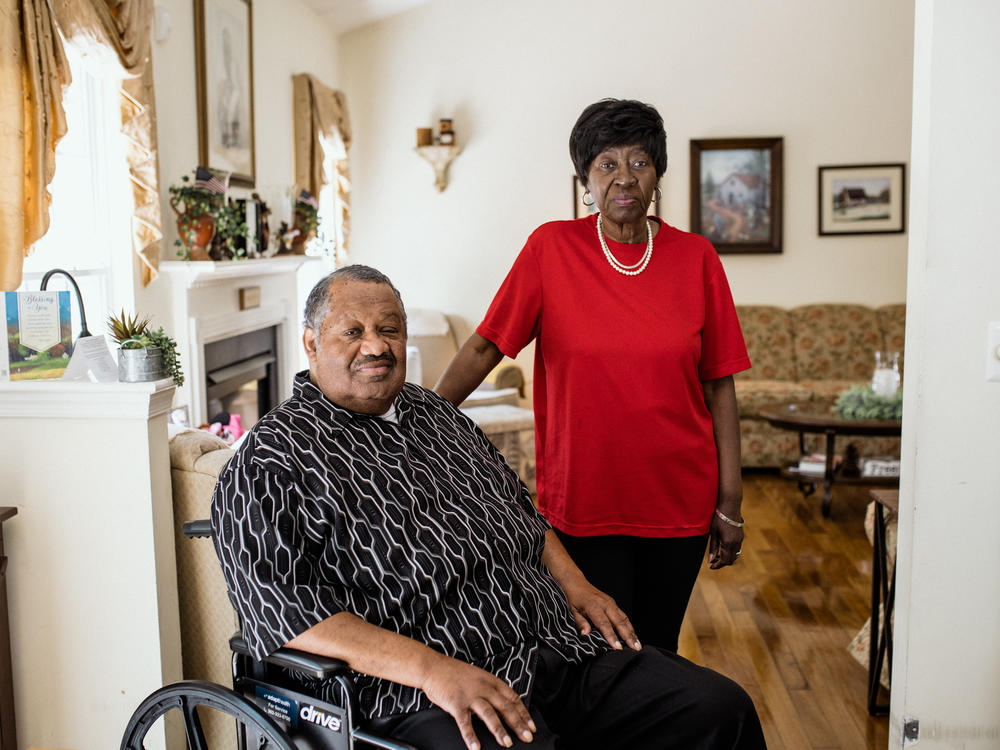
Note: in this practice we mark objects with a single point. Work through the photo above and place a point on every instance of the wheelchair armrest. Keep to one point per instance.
(197, 529)
(321, 667)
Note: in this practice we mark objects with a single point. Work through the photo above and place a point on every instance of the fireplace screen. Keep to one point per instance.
(241, 375)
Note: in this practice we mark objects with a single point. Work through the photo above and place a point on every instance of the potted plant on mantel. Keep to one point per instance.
(144, 354)
(207, 223)
(196, 225)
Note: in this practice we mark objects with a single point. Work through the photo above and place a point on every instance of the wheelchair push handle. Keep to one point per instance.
(197, 529)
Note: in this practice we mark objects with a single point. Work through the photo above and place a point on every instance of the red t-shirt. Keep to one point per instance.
(623, 438)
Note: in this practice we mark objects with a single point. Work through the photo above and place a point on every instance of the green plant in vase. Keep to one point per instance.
(230, 225)
(197, 209)
(144, 354)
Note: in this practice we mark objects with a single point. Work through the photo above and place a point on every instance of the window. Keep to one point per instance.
(330, 237)
(89, 230)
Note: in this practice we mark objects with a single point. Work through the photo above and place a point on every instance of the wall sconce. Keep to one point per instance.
(438, 154)
(439, 157)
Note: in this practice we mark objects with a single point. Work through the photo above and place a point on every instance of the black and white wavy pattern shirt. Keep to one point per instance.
(419, 527)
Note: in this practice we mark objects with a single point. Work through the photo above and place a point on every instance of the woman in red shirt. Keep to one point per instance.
(636, 342)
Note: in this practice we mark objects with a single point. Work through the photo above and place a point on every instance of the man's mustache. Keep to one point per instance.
(388, 358)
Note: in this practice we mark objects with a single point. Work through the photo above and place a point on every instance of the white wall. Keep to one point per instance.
(288, 38)
(834, 79)
(947, 652)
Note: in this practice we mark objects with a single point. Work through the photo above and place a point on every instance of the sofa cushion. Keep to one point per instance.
(835, 341)
(751, 395)
(830, 389)
(199, 451)
(767, 332)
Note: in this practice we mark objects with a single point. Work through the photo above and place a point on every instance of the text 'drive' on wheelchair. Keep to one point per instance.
(269, 711)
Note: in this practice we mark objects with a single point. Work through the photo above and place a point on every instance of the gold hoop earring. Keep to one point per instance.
(584, 199)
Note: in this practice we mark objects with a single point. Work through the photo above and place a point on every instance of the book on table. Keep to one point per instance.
(880, 466)
(813, 464)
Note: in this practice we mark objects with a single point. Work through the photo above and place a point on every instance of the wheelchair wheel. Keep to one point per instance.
(186, 697)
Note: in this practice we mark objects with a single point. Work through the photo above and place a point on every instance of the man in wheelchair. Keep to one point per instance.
(367, 519)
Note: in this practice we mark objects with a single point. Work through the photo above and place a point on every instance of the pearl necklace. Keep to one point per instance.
(636, 268)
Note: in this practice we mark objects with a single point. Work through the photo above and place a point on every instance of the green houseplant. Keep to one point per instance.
(196, 210)
(208, 224)
(144, 354)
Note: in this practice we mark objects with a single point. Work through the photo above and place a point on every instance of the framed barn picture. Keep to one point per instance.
(736, 193)
(224, 61)
(862, 199)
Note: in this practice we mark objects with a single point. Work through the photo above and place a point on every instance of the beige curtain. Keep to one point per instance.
(32, 119)
(320, 112)
(123, 27)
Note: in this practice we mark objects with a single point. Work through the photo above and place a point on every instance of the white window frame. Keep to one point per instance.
(94, 104)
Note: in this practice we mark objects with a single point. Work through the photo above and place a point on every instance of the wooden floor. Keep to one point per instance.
(779, 621)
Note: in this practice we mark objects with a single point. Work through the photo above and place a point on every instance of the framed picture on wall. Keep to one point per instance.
(736, 193)
(224, 61)
(862, 199)
(581, 209)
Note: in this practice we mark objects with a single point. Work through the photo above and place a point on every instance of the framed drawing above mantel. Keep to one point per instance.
(736, 193)
(224, 61)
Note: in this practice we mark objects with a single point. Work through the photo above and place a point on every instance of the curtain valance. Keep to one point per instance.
(32, 119)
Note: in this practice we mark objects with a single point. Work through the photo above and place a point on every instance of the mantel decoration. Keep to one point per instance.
(224, 58)
(736, 193)
(208, 224)
(144, 354)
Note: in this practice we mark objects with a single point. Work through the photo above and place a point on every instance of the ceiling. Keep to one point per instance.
(344, 15)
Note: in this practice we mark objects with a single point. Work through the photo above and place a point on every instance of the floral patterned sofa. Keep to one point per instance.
(809, 352)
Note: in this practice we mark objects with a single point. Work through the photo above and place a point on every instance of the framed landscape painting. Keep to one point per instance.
(224, 60)
(862, 199)
(736, 193)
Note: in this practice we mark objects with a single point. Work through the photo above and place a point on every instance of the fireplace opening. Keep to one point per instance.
(241, 375)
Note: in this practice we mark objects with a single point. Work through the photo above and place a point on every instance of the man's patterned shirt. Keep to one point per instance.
(419, 527)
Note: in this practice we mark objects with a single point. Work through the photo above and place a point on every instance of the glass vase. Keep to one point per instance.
(885, 379)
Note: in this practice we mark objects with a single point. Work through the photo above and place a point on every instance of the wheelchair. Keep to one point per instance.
(265, 702)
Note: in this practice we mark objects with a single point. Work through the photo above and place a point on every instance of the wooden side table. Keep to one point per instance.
(818, 417)
(883, 598)
(8, 738)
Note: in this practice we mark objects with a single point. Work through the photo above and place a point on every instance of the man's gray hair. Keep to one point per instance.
(318, 302)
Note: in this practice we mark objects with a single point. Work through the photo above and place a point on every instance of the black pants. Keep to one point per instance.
(628, 700)
(650, 579)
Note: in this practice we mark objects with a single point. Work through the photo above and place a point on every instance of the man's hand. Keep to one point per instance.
(463, 690)
(592, 607)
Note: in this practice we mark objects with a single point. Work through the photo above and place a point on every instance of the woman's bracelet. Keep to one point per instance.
(727, 519)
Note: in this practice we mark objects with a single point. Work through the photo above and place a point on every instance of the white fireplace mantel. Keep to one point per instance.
(202, 272)
(206, 307)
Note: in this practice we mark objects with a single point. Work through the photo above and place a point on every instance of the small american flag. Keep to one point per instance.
(206, 180)
(306, 197)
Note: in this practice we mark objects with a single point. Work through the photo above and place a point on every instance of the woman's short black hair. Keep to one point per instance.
(617, 122)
